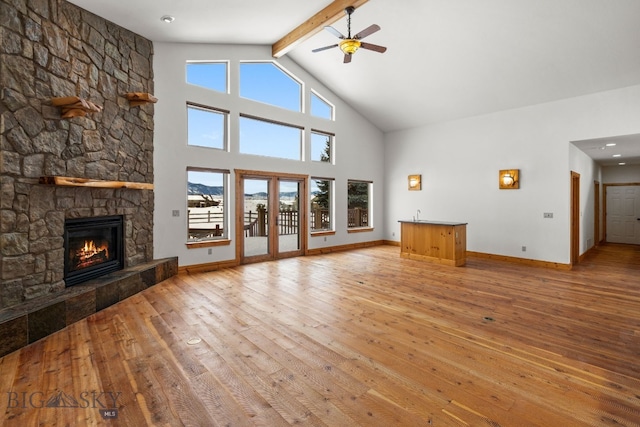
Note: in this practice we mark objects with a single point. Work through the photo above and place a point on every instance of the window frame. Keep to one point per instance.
(226, 72)
(300, 129)
(330, 208)
(224, 238)
(299, 82)
(332, 108)
(369, 219)
(225, 125)
(332, 138)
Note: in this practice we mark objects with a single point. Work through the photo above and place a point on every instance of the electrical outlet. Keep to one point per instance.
(325, 239)
(547, 215)
(210, 251)
(524, 249)
(175, 212)
(393, 234)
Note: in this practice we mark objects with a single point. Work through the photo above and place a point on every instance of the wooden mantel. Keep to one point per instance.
(68, 181)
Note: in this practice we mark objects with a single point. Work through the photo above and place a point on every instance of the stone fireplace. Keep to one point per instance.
(53, 49)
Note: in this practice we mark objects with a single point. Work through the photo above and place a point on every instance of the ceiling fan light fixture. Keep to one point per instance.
(349, 46)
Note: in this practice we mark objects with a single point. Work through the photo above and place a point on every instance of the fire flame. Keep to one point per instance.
(90, 253)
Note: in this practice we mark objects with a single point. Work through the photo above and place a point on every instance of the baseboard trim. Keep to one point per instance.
(587, 252)
(525, 261)
(341, 248)
(210, 266)
(213, 266)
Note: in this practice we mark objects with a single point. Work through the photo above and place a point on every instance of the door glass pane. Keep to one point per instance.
(256, 205)
(288, 216)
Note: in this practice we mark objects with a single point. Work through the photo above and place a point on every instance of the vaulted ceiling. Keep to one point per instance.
(446, 59)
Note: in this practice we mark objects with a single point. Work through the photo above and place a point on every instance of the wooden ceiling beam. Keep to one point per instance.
(313, 25)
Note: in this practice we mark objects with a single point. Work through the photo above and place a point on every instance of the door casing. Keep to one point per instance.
(274, 178)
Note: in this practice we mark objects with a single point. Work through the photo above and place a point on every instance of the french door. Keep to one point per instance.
(270, 215)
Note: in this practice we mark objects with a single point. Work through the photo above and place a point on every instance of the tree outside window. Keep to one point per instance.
(321, 213)
(358, 204)
(321, 146)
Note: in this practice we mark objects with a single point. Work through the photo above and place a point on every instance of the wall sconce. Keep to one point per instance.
(509, 179)
(415, 182)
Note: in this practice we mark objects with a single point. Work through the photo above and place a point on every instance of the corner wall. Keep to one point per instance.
(459, 162)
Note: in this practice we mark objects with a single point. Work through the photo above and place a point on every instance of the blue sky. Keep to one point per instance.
(262, 82)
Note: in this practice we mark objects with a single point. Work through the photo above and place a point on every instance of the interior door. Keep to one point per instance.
(623, 214)
(270, 213)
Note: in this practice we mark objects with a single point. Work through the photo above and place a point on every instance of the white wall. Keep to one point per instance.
(589, 172)
(459, 162)
(358, 153)
(626, 174)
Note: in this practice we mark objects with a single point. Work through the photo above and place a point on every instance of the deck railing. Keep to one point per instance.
(256, 222)
(357, 217)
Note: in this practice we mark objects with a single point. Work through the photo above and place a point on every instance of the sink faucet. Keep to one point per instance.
(418, 215)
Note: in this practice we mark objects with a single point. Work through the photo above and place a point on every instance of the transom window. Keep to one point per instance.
(320, 107)
(206, 210)
(268, 83)
(210, 75)
(206, 127)
(265, 138)
(321, 147)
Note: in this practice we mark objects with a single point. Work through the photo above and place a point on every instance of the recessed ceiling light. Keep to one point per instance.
(611, 144)
(622, 163)
(168, 19)
(617, 155)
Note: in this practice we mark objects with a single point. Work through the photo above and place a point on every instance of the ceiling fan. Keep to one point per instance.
(349, 45)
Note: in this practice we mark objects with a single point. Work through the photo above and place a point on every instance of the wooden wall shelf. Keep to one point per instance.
(67, 181)
(140, 98)
(74, 106)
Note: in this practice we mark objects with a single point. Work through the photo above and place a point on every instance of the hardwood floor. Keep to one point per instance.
(353, 338)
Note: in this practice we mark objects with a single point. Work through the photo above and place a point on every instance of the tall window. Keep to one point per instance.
(265, 138)
(210, 75)
(206, 210)
(321, 200)
(206, 127)
(320, 107)
(358, 201)
(268, 83)
(321, 147)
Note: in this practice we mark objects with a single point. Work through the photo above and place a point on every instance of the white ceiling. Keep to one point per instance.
(446, 59)
(627, 146)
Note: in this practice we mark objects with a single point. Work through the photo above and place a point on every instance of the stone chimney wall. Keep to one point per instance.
(51, 48)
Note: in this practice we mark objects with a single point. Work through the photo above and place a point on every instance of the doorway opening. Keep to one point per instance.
(575, 218)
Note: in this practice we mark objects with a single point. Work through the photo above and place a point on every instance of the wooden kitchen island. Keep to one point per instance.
(435, 241)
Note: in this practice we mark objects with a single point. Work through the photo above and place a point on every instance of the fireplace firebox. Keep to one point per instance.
(93, 247)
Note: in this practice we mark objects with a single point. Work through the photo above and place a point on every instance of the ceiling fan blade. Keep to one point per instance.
(347, 58)
(333, 31)
(324, 48)
(367, 31)
(373, 47)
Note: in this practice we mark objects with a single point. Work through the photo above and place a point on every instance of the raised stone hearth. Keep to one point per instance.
(30, 321)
